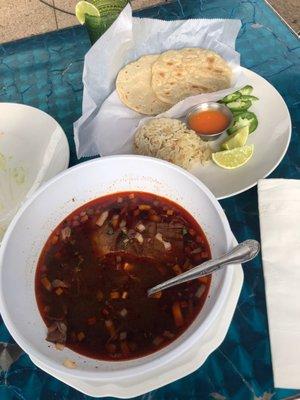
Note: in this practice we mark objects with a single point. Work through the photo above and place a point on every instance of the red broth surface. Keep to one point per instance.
(94, 271)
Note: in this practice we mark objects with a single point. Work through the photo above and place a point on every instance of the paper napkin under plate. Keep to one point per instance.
(279, 212)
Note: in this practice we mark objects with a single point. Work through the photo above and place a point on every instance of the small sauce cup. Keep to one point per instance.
(215, 107)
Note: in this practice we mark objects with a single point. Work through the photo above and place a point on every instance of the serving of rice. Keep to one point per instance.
(171, 140)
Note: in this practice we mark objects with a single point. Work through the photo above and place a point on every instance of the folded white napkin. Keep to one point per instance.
(279, 213)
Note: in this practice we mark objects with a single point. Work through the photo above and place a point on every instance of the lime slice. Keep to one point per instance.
(239, 139)
(231, 159)
(82, 8)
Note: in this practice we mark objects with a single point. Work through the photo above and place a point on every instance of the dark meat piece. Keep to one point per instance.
(57, 332)
(170, 231)
(104, 240)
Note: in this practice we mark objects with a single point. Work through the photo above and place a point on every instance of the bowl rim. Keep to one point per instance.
(129, 371)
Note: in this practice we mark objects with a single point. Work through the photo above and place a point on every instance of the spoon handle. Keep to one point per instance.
(243, 252)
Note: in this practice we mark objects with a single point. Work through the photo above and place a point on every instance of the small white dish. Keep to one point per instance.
(33, 149)
(182, 366)
(30, 228)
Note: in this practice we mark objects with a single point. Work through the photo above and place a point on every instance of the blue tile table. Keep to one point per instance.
(45, 72)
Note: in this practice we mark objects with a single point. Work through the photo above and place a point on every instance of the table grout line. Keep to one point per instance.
(55, 16)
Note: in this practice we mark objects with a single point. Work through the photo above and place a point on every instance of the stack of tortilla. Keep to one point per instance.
(154, 83)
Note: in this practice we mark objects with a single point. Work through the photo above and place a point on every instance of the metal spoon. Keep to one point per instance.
(243, 252)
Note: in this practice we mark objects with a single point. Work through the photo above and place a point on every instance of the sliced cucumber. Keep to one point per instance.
(239, 105)
(246, 90)
(242, 119)
(231, 97)
(249, 97)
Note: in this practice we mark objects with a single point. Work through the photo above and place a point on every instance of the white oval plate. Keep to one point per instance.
(270, 139)
(33, 149)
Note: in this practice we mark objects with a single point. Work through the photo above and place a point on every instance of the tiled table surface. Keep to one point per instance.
(45, 72)
(24, 18)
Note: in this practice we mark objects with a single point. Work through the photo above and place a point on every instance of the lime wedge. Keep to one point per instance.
(82, 8)
(239, 139)
(231, 159)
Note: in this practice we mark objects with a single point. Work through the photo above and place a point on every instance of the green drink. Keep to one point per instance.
(96, 26)
(108, 11)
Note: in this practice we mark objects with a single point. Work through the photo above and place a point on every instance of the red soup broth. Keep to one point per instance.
(94, 271)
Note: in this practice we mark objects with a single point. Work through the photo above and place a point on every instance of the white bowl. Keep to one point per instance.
(33, 223)
(33, 149)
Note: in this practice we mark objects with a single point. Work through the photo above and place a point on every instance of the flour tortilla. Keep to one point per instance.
(177, 74)
(134, 87)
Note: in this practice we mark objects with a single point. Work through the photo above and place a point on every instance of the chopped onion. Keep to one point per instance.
(100, 221)
(65, 233)
(123, 312)
(200, 291)
(140, 227)
(159, 237)
(123, 335)
(197, 250)
(167, 245)
(123, 223)
(114, 220)
(139, 237)
(56, 283)
(110, 327)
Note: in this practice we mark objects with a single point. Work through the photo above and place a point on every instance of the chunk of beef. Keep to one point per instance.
(170, 231)
(57, 332)
(169, 249)
(104, 240)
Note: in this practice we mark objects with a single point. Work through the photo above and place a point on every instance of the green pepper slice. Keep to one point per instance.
(241, 119)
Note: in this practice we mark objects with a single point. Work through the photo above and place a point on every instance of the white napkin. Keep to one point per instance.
(279, 212)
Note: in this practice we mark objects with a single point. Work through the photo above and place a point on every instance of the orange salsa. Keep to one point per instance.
(208, 122)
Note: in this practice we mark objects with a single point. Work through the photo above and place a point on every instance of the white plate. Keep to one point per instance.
(270, 139)
(182, 366)
(33, 149)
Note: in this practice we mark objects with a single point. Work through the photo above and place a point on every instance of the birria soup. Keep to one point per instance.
(94, 271)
